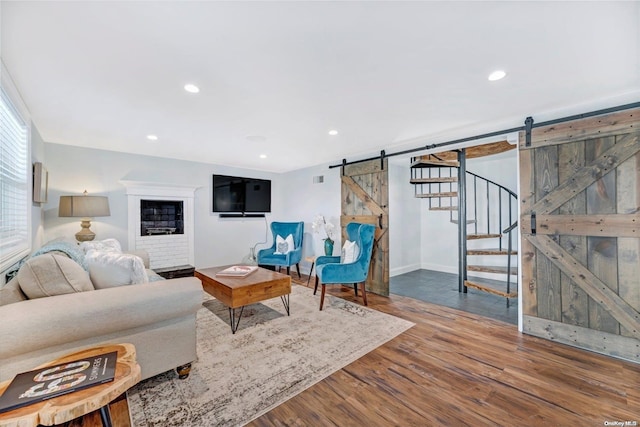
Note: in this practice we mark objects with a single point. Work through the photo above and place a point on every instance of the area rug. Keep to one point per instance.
(271, 358)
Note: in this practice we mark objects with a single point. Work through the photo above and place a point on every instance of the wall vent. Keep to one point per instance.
(318, 179)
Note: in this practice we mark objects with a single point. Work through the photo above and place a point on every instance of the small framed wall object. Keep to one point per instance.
(40, 183)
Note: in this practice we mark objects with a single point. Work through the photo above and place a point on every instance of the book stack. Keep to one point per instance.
(53, 381)
(237, 271)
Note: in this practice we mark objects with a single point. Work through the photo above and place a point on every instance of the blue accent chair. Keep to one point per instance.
(330, 271)
(267, 257)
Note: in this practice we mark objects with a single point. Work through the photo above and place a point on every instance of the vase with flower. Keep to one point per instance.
(320, 224)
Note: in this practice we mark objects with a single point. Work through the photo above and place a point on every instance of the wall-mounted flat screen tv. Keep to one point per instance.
(235, 194)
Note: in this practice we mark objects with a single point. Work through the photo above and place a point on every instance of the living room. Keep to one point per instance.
(77, 136)
(295, 196)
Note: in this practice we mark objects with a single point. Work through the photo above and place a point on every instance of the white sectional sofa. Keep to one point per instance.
(52, 308)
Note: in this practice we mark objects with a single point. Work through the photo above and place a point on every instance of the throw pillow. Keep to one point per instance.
(110, 269)
(49, 274)
(284, 246)
(106, 245)
(350, 252)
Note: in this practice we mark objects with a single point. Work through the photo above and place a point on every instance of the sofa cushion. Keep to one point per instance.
(49, 274)
(11, 293)
(110, 269)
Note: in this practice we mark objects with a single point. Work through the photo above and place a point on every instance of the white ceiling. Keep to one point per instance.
(386, 75)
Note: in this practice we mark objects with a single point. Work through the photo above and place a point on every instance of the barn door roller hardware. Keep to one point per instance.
(382, 154)
(344, 164)
(528, 125)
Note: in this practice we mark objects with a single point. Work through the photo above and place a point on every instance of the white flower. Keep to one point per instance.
(319, 223)
(329, 228)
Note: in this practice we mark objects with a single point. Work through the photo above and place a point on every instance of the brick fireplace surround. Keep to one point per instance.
(165, 250)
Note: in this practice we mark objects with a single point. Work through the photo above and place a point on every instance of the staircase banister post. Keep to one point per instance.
(462, 221)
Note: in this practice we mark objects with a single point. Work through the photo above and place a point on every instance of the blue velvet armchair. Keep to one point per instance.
(268, 257)
(330, 271)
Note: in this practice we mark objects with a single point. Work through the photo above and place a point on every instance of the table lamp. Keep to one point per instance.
(85, 207)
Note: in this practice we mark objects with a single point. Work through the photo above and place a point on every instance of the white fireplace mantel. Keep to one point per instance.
(164, 251)
(145, 188)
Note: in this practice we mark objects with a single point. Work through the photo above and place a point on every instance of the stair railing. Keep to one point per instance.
(490, 207)
(511, 202)
(509, 230)
(483, 188)
(443, 172)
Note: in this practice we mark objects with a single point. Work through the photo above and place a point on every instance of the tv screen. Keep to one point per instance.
(240, 194)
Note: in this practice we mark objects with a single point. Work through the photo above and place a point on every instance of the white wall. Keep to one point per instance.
(405, 221)
(303, 200)
(217, 241)
(295, 197)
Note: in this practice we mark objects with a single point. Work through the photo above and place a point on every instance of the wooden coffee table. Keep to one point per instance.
(67, 407)
(237, 292)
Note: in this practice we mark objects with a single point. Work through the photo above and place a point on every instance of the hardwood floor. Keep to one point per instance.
(457, 368)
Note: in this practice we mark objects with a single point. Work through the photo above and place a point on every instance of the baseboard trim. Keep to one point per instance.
(478, 274)
(403, 269)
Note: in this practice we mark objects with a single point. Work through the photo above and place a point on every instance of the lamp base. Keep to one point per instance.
(85, 235)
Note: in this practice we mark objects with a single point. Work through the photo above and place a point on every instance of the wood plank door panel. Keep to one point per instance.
(574, 300)
(365, 199)
(628, 185)
(580, 223)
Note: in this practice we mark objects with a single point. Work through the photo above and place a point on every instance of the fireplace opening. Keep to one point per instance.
(161, 217)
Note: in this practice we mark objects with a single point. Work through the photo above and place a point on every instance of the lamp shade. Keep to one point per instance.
(83, 206)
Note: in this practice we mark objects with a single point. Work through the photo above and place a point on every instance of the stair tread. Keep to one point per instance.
(469, 221)
(434, 195)
(490, 251)
(492, 289)
(434, 180)
(435, 163)
(482, 236)
(492, 269)
(444, 208)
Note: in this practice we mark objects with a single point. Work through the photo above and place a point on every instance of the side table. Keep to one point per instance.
(67, 407)
(312, 260)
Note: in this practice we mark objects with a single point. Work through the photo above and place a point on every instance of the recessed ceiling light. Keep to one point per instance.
(497, 75)
(191, 88)
(152, 137)
(263, 156)
(333, 132)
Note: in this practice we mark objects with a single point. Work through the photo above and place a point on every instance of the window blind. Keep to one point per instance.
(15, 172)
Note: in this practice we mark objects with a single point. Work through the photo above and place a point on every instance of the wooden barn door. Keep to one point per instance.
(365, 198)
(580, 223)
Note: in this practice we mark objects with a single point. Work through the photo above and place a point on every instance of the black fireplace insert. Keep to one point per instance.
(161, 217)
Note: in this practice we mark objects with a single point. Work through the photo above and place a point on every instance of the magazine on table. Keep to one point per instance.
(237, 270)
(53, 381)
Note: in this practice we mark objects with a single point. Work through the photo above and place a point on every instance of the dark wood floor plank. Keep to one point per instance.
(457, 368)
